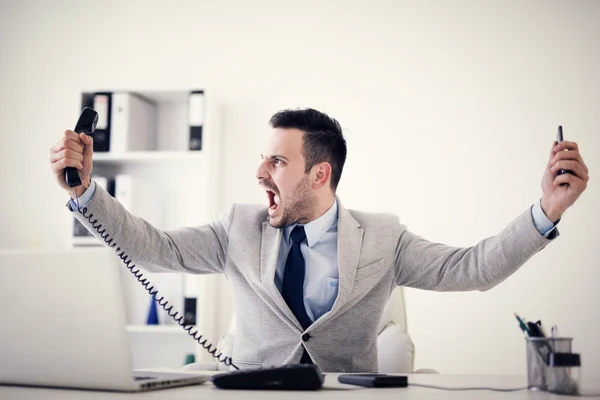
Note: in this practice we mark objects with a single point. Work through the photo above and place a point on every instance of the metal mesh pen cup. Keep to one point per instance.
(551, 366)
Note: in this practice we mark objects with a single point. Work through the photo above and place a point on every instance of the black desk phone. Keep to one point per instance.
(87, 124)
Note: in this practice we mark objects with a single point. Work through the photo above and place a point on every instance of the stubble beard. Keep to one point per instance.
(300, 207)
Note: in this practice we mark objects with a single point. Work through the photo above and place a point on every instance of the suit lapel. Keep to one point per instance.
(350, 236)
(269, 252)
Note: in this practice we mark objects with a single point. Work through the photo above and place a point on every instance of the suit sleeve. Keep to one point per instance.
(197, 250)
(427, 265)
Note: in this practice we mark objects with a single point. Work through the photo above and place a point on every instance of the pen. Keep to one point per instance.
(522, 325)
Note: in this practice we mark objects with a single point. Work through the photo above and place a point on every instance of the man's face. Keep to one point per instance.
(281, 173)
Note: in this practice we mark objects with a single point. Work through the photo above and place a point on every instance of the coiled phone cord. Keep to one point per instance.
(164, 304)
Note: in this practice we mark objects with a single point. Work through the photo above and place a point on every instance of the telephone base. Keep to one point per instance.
(286, 377)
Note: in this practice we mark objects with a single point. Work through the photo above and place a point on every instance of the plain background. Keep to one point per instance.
(449, 110)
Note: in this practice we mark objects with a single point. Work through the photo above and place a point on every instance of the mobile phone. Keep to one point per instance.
(559, 135)
(559, 138)
(374, 380)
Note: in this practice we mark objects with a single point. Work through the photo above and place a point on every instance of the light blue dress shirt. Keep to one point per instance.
(320, 259)
(320, 254)
(541, 222)
(85, 197)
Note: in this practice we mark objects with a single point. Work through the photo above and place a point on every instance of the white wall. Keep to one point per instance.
(450, 109)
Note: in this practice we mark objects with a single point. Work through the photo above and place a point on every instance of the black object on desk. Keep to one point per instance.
(286, 377)
(374, 380)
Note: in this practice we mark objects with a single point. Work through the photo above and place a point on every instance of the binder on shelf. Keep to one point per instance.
(196, 118)
(190, 293)
(126, 121)
(133, 123)
(101, 102)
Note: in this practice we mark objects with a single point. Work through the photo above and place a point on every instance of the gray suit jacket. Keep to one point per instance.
(375, 254)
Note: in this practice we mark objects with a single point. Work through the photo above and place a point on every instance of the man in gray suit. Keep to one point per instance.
(310, 277)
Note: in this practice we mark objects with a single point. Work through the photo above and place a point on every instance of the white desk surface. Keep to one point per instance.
(331, 390)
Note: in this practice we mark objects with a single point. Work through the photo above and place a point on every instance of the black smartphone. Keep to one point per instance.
(559, 135)
(374, 380)
(559, 138)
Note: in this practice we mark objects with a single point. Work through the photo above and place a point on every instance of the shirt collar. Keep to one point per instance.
(316, 229)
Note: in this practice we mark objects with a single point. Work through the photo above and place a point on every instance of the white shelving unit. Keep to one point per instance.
(171, 187)
(148, 156)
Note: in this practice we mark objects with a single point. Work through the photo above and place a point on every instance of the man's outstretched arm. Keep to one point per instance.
(196, 250)
(434, 266)
(199, 250)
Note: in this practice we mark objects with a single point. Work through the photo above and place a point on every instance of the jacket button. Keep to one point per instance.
(305, 337)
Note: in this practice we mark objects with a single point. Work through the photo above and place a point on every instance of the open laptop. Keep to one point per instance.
(63, 324)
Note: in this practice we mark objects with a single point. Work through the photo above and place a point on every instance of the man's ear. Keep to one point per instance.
(320, 175)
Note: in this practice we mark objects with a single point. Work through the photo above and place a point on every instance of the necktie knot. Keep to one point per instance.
(298, 235)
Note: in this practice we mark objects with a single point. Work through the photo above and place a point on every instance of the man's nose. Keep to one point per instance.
(262, 172)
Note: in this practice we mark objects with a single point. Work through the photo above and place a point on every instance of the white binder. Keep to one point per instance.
(133, 123)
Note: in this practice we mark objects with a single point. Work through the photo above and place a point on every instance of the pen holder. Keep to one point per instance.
(551, 366)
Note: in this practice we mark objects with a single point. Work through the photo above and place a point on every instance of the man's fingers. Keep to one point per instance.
(87, 140)
(571, 146)
(552, 152)
(69, 134)
(73, 143)
(67, 143)
(66, 153)
(568, 155)
(577, 184)
(570, 165)
(565, 146)
(66, 162)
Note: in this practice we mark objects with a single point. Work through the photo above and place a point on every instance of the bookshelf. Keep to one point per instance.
(147, 156)
(158, 167)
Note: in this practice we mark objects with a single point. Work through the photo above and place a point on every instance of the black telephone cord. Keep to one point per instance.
(164, 304)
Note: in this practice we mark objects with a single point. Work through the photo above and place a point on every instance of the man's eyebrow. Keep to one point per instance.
(275, 156)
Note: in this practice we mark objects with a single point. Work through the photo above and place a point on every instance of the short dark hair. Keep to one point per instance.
(323, 138)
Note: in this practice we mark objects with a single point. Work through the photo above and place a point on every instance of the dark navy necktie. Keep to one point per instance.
(293, 278)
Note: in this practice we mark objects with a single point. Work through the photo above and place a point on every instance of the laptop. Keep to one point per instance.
(63, 323)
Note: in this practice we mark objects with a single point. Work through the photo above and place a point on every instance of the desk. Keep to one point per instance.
(332, 391)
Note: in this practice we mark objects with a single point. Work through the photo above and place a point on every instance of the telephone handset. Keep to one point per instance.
(87, 124)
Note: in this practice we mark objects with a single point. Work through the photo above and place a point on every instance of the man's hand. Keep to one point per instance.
(561, 191)
(73, 150)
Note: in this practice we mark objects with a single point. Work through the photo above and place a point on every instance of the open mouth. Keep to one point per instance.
(273, 201)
